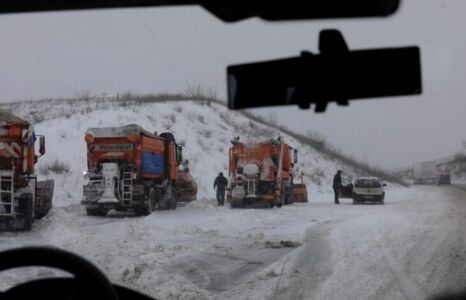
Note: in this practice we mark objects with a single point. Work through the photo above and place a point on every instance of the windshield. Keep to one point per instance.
(144, 171)
(367, 183)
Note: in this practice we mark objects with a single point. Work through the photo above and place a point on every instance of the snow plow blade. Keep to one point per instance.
(44, 195)
(299, 193)
(186, 186)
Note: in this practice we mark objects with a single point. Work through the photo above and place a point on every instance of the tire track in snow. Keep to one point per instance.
(312, 267)
(434, 260)
(408, 287)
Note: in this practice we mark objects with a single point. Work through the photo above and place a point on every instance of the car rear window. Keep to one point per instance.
(367, 183)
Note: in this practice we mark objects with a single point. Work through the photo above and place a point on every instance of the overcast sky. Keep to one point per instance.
(167, 49)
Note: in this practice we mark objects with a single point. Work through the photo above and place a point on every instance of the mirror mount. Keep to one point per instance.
(41, 145)
(179, 154)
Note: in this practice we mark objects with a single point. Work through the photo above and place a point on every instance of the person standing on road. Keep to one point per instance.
(220, 183)
(337, 185)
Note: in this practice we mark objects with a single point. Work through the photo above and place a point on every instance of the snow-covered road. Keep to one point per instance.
(412, 247)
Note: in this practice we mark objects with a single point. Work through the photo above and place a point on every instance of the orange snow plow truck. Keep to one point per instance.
(260, 174)
(131, 168)
(22, 197)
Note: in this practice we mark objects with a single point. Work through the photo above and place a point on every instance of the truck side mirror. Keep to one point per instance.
(295, 156)
(178, 154)
(42, 145)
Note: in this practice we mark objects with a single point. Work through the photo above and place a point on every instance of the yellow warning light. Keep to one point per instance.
(89, 138)
(133, 137)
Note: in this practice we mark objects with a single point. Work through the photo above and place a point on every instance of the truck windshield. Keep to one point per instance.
(158, 196)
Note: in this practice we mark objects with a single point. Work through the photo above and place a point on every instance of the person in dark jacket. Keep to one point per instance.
(220, 184)
(337, 185)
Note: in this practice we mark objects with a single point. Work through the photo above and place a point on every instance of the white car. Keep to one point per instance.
(368, 189)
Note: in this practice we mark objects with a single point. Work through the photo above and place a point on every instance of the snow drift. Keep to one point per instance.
(203, 128)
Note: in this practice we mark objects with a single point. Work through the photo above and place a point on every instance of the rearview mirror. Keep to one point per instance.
(229, 10)
(272, 10)
(334, 75)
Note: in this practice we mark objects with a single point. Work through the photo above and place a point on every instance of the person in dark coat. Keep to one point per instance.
(220, 184)
(337, 185)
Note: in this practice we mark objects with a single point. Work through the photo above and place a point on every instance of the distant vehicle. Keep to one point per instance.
(130, 168)
(369, 189)
(425, 172)
(22, 197)
(346, 190)
(444, 178)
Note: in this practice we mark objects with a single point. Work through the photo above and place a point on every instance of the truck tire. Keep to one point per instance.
(152, 200)
(143, 210)
(174, 200)
(148, 204)
(95, 211)
(40, 213)
(279, 203)
(236, 204)
(27, 209)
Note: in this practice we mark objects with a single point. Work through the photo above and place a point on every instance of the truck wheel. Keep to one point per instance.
(26, 208)
(96, 212)
(40, 213)
(172, 201)
(287, 200)
(152, 201)
(143, 210)
(236, 204)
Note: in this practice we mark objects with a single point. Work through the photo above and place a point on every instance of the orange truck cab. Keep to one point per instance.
(130, 168)
(260, 174)
(22, 197)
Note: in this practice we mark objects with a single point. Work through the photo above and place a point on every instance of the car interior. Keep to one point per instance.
(338, 73)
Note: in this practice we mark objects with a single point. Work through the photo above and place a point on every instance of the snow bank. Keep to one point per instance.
(204, 131)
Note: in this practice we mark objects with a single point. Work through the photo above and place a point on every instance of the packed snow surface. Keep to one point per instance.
(410, 248)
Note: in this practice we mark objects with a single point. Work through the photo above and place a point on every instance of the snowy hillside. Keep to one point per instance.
(203, 129)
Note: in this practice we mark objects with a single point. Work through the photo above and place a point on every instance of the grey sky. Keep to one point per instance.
(165, 50)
